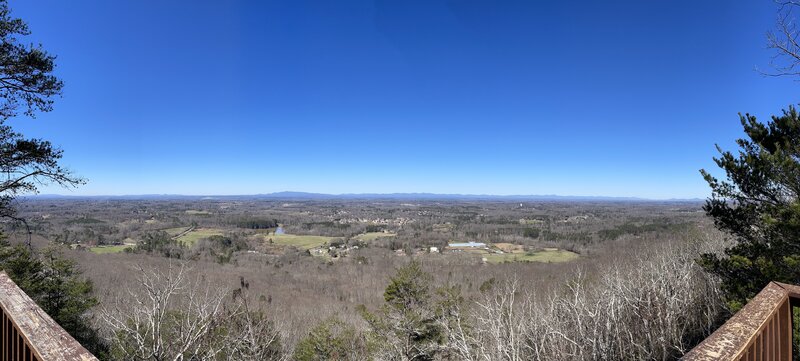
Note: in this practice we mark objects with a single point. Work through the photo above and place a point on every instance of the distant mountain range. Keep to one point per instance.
(368, 196)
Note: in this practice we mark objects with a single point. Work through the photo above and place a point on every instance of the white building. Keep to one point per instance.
(467, 245)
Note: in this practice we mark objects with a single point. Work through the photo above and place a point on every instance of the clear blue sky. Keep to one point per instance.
(614, 98)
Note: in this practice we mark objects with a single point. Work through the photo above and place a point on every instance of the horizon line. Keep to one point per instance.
(408, 195)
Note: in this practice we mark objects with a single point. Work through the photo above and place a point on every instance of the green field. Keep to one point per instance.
(547, 256)
(304, 242)
(192, 237)
(109, 249)
(175, 231)
(371, 236)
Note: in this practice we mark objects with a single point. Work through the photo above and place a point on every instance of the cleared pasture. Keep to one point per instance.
(299, 241)
(192, 237)
(175, 231)
(548, 255)
(109, 249)
(509, 247)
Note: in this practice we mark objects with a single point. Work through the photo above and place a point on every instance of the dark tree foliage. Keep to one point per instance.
(531, 232)
(758, 205)
(25, 70)
(409, 323)
(159, 242)
(256, 223)
(27, 85)
(375, 228)
(637, 230)
(333, 340)
(220, 248)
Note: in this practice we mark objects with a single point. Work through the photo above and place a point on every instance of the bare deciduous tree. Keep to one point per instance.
(497, 329)
(654, 308)
(250, 334)
(173, 316)
(784, 41)
(167, 318)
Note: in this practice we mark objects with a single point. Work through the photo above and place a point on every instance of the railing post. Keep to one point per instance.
(794, 303)
(28, 333)
(761, 330)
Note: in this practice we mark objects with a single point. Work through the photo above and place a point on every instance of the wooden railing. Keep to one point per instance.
(761, 330)
(29, 334)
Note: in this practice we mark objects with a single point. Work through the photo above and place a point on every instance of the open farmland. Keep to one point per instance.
(195, 235)
(109, 249)
(549, 255)
(327, 257)
(299, 241)
(176, 230)
(399, 180)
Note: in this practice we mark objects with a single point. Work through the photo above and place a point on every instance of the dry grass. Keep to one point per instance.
(299, 241)
(109, 249)
(548, 255)
(192, 237)
(510, 247)
(175, 231)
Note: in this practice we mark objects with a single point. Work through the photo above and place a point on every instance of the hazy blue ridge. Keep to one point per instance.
(289, 195)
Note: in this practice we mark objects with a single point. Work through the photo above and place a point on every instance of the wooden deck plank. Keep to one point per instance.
(48, 341)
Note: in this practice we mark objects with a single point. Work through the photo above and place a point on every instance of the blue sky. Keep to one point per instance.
(612, 98)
